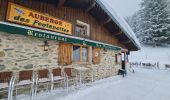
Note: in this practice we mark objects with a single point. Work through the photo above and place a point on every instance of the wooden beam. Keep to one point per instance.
(107, 21)
(126, 42)
(118, 33)
(60, 3)
(90, 7)
(124, 50)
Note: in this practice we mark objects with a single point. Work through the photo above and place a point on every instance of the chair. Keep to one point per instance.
(68, 71)
(42, 78)
(5, 80)
(58, 76)
(25, 79)
(70, 76)
(5, 84)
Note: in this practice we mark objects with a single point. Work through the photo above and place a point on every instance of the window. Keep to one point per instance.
(82, 29)
(76, 53)
(80, 54)
(85, 54)
(69, 53)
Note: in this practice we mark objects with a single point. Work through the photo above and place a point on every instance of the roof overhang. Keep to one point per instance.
(99, 11)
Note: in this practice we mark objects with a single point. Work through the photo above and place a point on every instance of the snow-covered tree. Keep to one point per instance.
(136, 24)
(156, 21)
(152, 23)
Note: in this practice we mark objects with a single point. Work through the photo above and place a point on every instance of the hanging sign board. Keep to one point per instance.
(21, 15)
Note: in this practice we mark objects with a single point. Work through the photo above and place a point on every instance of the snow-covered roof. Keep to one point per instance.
(119, 20)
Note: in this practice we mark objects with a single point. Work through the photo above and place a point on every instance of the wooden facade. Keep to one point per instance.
(97, 31)
(39, 54)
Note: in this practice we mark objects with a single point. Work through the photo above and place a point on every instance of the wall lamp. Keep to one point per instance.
(46, 45)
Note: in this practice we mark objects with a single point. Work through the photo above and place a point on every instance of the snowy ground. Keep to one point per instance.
(144, 84)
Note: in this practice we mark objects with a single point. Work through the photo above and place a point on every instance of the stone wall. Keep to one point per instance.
(22, 53)
(107, 67)
(18, 52)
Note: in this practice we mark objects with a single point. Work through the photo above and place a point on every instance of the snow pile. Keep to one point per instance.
(119, 20)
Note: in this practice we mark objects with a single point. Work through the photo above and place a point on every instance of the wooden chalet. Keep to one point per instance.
(71, 35)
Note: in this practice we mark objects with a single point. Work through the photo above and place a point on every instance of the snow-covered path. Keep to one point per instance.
(145, 84)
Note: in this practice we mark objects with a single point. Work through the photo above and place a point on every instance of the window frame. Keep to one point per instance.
(83, 24)
(81, 54)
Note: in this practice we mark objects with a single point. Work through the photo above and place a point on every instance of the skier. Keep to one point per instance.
(158, 65)
(124, 73)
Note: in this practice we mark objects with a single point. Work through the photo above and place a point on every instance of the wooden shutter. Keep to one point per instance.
(65, 54)
(96, 56)
(118, 58)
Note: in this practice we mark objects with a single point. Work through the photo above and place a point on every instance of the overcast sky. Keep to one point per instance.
(126, 7)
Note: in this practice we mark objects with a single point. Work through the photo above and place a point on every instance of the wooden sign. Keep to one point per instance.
(25, 16)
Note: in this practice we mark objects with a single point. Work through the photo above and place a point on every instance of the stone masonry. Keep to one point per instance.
(19, 52)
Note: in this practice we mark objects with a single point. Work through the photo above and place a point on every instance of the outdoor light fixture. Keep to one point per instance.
(46, 46)
(105, 49)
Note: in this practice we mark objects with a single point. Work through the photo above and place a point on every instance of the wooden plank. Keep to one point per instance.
(43, 73)
(25, 75)
(90, 7)
(96, 55)
(60, 3)
(1, 9)
(81, 50)
(5, 77)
